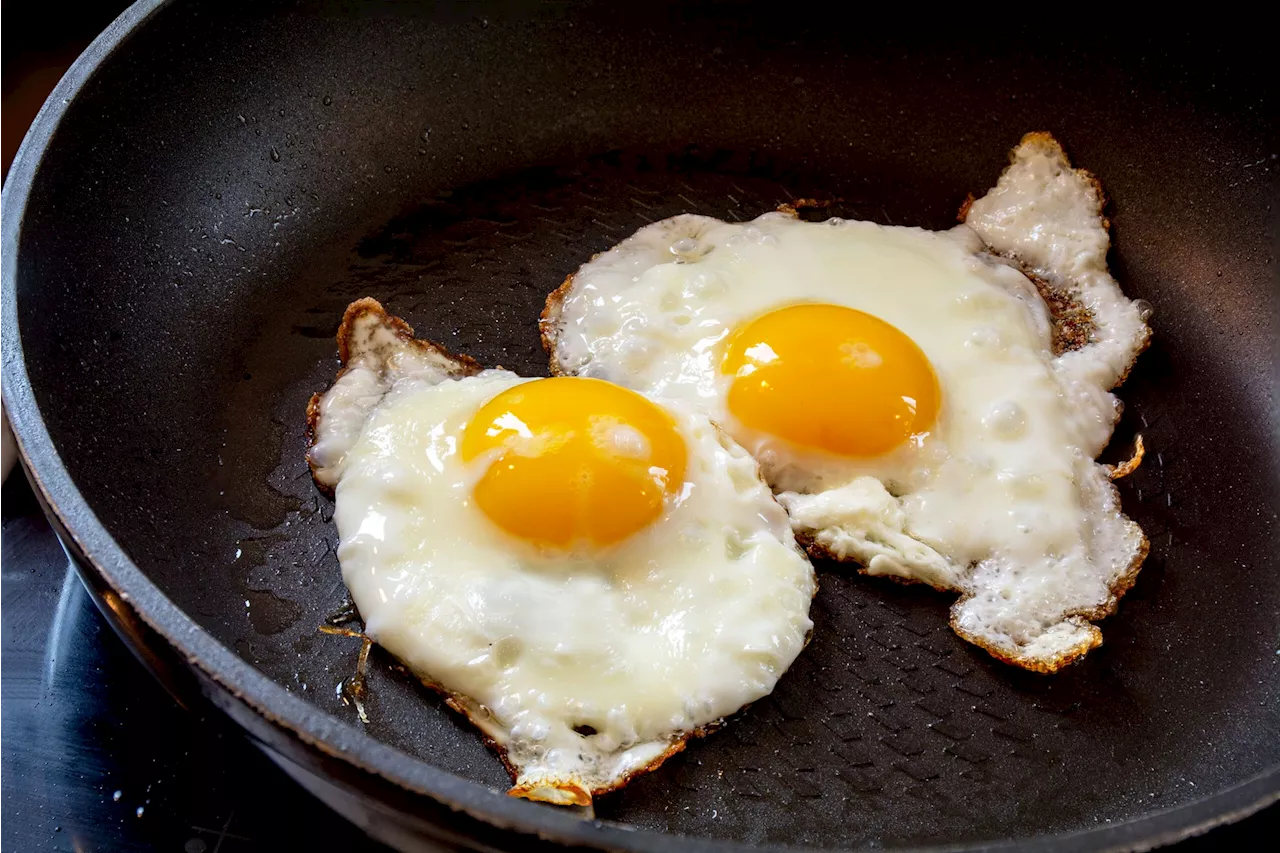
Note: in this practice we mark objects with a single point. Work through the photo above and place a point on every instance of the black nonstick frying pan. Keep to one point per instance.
(213, 182)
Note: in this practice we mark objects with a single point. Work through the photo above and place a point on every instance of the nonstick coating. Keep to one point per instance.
(228, 180)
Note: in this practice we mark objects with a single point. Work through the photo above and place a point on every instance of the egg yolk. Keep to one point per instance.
(575, 461)
(830, 378)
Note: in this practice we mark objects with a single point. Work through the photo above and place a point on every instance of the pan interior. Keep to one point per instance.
(183, 272)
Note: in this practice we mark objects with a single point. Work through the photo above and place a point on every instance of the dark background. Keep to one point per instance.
(81, 720)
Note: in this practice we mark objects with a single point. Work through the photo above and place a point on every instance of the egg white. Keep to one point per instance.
(654, 639)
(1001, 500)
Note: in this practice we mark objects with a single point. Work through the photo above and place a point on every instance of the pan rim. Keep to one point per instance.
(272, 702)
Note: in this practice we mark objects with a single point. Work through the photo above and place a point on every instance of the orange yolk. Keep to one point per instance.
(830, 378)
(575, 461)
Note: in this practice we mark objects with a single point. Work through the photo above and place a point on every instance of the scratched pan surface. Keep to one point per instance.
(226, 180)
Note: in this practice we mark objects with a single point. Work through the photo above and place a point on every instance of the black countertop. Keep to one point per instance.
(95, 754)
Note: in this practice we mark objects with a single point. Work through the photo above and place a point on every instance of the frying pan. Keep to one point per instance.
(212, 183)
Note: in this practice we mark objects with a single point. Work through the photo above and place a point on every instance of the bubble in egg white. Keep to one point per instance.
(635, 353)
(1022, 485)
(986, 337)
(684, 246)
(707, 286)
(1026, 520)
(609, 325)
(981, 462)
(979, 301)
(1006, 420)
(507, 651)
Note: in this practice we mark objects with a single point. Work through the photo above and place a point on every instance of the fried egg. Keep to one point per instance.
(910, 395)
(590, 576)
